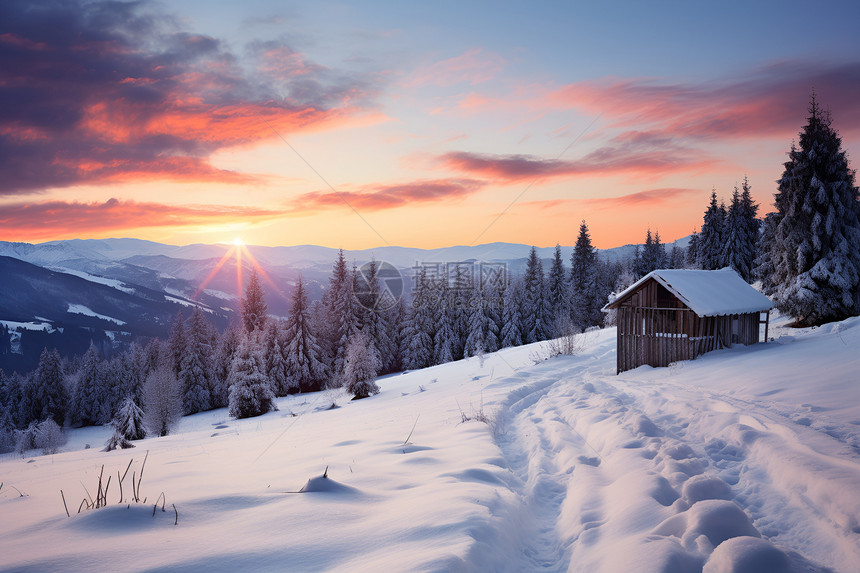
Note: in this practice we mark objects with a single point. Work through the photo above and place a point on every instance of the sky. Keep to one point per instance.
(359, 125)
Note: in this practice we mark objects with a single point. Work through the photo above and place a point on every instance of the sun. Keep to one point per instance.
(237, 242)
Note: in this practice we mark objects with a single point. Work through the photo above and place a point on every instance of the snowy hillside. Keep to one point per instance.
(747, 459)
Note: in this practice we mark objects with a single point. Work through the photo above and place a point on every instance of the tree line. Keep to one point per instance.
(356, 332)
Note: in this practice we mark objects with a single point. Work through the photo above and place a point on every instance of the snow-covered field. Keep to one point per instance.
(744, 460)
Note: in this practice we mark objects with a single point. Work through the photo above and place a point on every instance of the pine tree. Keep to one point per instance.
(421, 326)
(558, 292)
(276, 365)
(133, 373)
(303, 353)
(443, 338)
(162, 399)
(90, 401)
(12, 393)
(254, 309)
(396, 319)
(693, 251)
(741, 233)
(228, 346)
(372, 308)
(712, 237)
(493, 306)
(110, 374)
(764, 270)
(535, 309)
(512, 322)
(49, 398)
(458, 303)
(477, 325)
(128, 425)
(339, 302)
(250, 392)
(815, 251)
(653, 254)
(585, 307)
(362, 365)
(177, 343)
(196, 366)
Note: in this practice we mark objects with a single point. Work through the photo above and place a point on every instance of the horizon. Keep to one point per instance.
(428, 126)
(243, 244)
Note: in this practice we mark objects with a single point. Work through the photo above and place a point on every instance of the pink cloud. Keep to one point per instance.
(768, 101)
(473, 67)
(641, 154)
(380, 197)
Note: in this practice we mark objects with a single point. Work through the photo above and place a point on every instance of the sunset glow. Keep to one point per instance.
(357, 126)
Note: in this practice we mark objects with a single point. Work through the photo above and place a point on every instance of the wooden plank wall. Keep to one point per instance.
(661, 336)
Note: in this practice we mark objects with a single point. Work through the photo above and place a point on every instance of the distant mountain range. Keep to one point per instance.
(115, 289)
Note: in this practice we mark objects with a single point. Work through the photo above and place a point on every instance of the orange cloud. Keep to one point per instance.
(61, 219)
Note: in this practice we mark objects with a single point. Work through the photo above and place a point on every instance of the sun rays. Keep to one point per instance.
(237, 251)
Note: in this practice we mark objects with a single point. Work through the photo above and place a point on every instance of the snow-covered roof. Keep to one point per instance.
(707, 293)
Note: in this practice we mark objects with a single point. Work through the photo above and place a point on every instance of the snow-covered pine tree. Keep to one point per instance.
(48, 398)
(176, 342)
(512, 322)
(369, 298)
(765, 248)
(458, 306)
(477, 325)
(493, 310)
(421, 325)
(443, 338)
(162, 399)
(558, 293)
(110, 374)
(741, 233)
(535, 309)
(303, 354)
(816, 248)
(653, 254)
(276, 365)
(396, 319)
(254, 309)
(133, 373)
(127, 425)
(340, 315)
(250, 392)
(12, 393)
(712, 237)
(692, 259)
(362, 365)
(228, 345)
(91, 403)
(585, 307)
(196, 366)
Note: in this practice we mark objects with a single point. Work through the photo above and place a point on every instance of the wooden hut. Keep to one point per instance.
(674, 314)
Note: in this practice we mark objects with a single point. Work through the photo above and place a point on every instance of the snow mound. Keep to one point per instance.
(324, 484)
(704, 486)
(707, 524)
(121, 519)
(747, 555)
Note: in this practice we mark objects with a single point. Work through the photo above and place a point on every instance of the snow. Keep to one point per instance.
(113, 283)
(81, 309)
(747, 459)
(707, 293)
(13, 325)
(187, 303)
